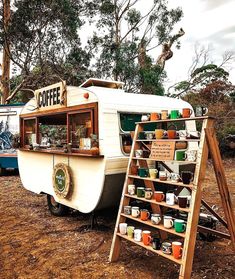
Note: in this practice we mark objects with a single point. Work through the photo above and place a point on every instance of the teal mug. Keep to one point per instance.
(143, 172)
(175, 114)
(179, 225)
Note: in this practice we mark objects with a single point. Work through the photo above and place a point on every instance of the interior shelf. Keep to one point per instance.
(159, 203)
(149, 248)
(159, 227)
(153, 140)
(150, 159)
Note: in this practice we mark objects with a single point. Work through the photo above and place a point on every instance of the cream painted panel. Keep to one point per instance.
(87, 175)
(116, 165)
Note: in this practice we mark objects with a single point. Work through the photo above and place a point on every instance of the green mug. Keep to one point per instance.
(179, 225)
(130, 231)
(179, 155)
(143, 172)
(140, 192)
(175, 114)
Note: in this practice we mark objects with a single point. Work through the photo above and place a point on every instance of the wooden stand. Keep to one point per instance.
(207, 143)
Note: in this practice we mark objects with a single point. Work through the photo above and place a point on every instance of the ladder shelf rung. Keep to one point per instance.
(159, 227)
(188, 140)
(151, 159)
(158, 203)
(179, 184)
(149, 248)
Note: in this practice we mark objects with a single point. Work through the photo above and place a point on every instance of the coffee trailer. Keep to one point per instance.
(75, 141)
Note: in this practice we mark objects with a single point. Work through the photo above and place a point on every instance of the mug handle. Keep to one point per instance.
(181, 252)
(138, 212)
(206, 109)
(149, 239)
(184, 226)
(163, 197)
(191, 111)
(172, 223)
(148, 214)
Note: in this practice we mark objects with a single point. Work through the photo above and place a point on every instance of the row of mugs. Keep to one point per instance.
(139, 235)
(170, 134)
(178, 224)
(164, 114)
(186, 176)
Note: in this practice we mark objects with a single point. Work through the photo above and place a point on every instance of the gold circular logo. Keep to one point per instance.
(61, 180)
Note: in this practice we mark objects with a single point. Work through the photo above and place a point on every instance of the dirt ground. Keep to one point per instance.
(35, 244)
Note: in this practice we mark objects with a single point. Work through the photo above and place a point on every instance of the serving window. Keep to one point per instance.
(73, 131)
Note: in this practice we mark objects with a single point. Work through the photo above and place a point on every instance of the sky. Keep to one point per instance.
(206, 23)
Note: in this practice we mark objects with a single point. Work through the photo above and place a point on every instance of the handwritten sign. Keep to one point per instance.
(162, 150)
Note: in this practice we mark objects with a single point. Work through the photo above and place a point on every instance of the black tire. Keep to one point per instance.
(2, 171)
(56, 208)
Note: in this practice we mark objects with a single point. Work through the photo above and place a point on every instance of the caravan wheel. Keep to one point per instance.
(2, 171)
(56, 208)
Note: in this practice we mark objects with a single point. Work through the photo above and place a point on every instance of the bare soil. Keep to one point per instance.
(35, 244)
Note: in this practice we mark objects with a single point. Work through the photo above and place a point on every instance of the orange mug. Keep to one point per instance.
(159, 133)
(144, 214)
(186, 112)
(159, 196)
(177, 249)
(171, 134)
(146, 236)
(155, 116)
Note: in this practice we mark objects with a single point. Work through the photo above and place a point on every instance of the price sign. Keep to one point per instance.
(162, 150)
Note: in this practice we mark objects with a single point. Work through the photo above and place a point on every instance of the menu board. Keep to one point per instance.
(162, 150)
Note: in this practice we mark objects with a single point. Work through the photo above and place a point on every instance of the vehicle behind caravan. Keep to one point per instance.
(9, 136)
(75, 141)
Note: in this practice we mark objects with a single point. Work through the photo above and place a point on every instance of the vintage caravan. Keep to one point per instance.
(9, 135)
(75, 141)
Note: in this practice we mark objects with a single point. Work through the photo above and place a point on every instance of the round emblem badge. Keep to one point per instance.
(61, 180)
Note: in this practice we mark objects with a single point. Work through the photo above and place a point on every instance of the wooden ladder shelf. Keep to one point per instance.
(207, 143)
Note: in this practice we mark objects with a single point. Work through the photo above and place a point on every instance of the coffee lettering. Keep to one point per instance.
(49, 97)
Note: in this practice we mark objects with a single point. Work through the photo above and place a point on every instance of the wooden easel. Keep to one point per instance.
(207, 143)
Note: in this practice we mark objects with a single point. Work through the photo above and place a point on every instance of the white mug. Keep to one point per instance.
(156, 219)
(135, 211)
(131, 189)
(191, 155)
(170, 198)
(168, 222)
(123, 228)
(183, 134)
(137, 235)
(139, 153)
(175, 177)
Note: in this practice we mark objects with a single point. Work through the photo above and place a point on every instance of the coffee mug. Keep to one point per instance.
(145, 118)
(175, 114)
(170, 198)
(153, 173)
(134, 170)
(171, 134)
(123, 228)
(137, 235)
(141, 135)
(156, 243)
(140, 191)
(168, 222)
(159, 133)
(155, 116)
(164, 114)
(183, 134)
(166, 248)
(135, 211)
(186, 176)
(163, 175)
(191, 155)
(130, 231)
(182, 201)
(131, 189)
(200, 111)
(127, 210)
(146, 237)
(156, 218)
(143, 172)
(177, 249)
(139, 153)
(159, 196)
(186, 112)
(144, 214)
(174, 177)
(148, 193)
(180, 155)
(149, 136)
(179, 225)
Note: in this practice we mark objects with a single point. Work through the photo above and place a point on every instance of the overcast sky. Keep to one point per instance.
(205, 22)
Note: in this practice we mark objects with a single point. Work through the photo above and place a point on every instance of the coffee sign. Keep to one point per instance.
(53, 96)
(61, 180)
(162, 150)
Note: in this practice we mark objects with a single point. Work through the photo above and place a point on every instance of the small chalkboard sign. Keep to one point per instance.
(162, 150)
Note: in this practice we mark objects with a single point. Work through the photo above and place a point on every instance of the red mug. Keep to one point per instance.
(146, 237)
(159, 196)
(186, 112)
